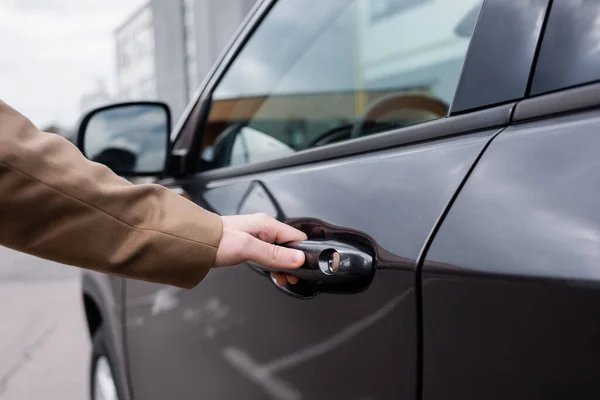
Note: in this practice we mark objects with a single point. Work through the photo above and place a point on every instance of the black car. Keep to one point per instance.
(448, 151)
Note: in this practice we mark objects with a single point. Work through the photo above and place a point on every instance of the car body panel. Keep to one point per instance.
(222, 334)
(510, 286)
(508, 34)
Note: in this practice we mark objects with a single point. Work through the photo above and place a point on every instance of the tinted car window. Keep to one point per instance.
(319, 72)
(570, 52)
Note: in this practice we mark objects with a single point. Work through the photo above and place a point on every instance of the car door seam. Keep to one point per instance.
(423, 254)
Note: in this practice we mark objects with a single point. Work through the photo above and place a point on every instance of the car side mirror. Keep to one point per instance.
(132, 139)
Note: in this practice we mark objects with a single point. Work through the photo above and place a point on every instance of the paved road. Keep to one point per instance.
(43, 344)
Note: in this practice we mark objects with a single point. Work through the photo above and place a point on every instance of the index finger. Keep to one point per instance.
(272, 231)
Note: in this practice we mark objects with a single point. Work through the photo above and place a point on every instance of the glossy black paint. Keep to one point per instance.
(501, 54)
(569, 53)
(511, 283)
(367, 340)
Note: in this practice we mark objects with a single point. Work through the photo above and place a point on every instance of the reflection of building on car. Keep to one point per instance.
(433, 59)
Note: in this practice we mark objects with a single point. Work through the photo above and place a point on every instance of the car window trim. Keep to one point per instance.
(580, 98)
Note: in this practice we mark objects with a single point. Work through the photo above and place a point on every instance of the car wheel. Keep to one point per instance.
(103, 383)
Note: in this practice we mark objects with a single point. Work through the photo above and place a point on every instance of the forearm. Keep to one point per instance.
(57, 205)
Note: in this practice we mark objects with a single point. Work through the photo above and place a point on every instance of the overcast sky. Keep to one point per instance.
(54, 51)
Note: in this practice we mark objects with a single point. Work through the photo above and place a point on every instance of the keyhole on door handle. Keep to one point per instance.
(329, 261)
(331, 266)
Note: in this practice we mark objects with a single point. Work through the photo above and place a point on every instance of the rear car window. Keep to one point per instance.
(321, 72)
(570, 51)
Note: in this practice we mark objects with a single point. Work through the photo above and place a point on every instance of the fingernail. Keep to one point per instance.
(297, 256)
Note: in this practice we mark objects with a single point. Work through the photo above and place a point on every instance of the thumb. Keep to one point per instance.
(274, 256)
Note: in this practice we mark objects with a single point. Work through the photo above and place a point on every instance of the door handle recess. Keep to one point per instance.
(330, 267)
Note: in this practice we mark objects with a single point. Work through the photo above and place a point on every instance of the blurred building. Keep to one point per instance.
(96, 98)
(419, 63)
(136, 77)
(165, 48)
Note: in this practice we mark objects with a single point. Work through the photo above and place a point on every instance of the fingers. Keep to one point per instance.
(283, 279)
(284, 233)
(280, 279)
(272, 255)
(267, 228)
(250, 238)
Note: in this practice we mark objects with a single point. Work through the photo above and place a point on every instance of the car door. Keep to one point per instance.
(516, 316)
(337, 121)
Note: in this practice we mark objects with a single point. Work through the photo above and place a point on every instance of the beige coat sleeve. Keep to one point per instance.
(57, 205)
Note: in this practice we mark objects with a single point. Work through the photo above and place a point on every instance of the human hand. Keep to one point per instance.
(254, 238)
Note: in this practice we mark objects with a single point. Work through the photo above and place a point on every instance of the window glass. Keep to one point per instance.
(570, 51)
(380, 9)
(307, 79)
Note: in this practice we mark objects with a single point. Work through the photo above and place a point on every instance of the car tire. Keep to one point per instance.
(104, 383)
